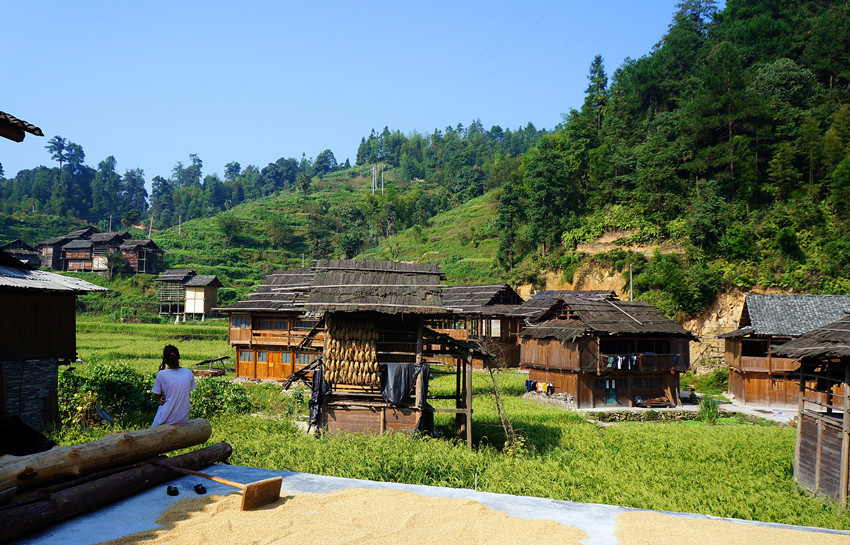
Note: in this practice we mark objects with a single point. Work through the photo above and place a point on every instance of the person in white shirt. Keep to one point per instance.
(172, 387)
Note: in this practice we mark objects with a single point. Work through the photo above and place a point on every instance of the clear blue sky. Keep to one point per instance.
(252, 81)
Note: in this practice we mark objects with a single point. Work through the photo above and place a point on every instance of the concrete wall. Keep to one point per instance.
(30, 388)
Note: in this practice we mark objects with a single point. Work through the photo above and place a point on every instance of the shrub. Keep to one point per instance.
(708, 409)
(120, 390)
(217, 395)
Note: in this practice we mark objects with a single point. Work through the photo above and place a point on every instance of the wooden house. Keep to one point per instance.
(141, 255)
(184, 292)
(481, 315)
(78, 256)
(103, 244)
(757, 376)
(50, 252)
(603, 351)
(201, 295)
(822, 452)
(37, 333)
(23, 252)
(269, 329)
(363, 322)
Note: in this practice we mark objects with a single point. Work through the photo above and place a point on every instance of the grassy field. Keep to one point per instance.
(741, 469)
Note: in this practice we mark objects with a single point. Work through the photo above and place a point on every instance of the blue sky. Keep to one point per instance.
(151, 82)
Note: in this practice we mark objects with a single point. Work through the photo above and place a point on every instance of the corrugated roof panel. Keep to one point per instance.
(12, 277)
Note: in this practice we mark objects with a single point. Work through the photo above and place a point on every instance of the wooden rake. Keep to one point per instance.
(255, 494)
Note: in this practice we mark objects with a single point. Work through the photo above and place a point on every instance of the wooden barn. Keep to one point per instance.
(85, 250)
(481, 314)
(50, 252)
(360, 327)
(758, 376)
(23, 252)
(184, 292)
(37, 333)
(822, 453)
(603, 351)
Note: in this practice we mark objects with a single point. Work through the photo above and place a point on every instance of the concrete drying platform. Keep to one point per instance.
(139, 513)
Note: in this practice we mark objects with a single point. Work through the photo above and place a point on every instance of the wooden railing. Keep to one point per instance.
(646, 362)
(767, 364)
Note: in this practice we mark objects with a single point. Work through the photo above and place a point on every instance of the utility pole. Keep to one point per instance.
(382, 179)
(110, 223)
(150, 228)
(179, 218)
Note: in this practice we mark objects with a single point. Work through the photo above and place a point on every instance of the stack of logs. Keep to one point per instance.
(351, 355)
(40, 489)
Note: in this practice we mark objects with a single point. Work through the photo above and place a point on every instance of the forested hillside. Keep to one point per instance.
(731, 139)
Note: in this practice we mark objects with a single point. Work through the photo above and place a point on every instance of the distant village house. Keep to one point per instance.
(183, 292)
(88, 250)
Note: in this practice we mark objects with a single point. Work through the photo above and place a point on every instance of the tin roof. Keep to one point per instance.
(14, 275)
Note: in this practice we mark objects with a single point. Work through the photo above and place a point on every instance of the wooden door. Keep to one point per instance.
(275, 370)
(610, 391)
(262, 364)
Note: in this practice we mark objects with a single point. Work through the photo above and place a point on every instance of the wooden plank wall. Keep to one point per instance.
(819, 466)
(342, 417)
(37, 325)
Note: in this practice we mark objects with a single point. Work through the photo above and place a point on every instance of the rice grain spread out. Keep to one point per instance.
(346, 517)
(648, 528)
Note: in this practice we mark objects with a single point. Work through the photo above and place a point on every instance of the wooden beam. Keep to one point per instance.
(115, 449)
(12, 132)
(845, 439)
(24, 518)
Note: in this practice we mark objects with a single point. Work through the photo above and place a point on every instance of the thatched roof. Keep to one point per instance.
(605, 317)
(830, 340)
(347, 285)
(281, 292)
(783, 315)
(543, 303)
(481, 299)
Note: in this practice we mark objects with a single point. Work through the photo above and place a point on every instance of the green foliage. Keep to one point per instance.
(218, 395)
(708, 410)
(120, 390)
(713, 383)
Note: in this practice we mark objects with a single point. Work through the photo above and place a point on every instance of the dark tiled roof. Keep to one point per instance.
(791, 315)
(175, 275)
(545, 301)
(18, 246)
(830, 340)
(111, 236)
(382, 286)
(54, 241)
(490, 299)
(78, 244)
(607, 317)
(133, 243)
(281, 292)
(85, 232)
(203, 280)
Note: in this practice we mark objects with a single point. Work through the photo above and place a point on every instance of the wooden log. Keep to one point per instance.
(19, 520)
(113, 450)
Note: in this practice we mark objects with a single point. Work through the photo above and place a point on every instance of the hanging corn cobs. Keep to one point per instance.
(351, 353)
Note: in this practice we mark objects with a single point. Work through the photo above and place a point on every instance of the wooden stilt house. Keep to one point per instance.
(603, 351)
(822, 453)
(361, 324)
(184, 292)
(757, 375)
(481, 314)
(37, 333)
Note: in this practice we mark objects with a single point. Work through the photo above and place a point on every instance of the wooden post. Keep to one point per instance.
(845, 439)
(468, 377)
(801, 405)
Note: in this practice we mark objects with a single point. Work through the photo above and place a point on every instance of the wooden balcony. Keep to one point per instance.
(768, 364)
(646, 363)
(272, 337)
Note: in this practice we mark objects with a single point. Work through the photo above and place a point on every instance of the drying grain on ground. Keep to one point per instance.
(647, 528)
(349, 516)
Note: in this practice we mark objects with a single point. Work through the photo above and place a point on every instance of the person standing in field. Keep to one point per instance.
(172, 387)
